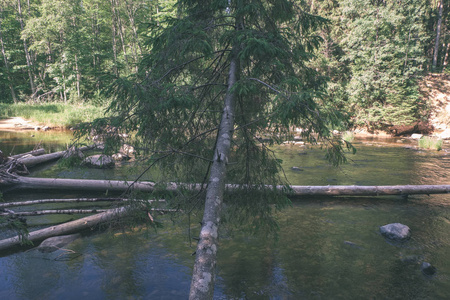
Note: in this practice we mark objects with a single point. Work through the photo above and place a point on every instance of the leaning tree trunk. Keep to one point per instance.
(203, 277)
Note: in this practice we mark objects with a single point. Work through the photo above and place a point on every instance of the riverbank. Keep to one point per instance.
(434, 90)
(24, 116)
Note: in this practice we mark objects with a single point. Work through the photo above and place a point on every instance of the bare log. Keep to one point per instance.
(52, 212)
(68, 212)
(31, 161)
(356, 190)
(66, 228)
(295, 190)
(76, 200)
(32, 153)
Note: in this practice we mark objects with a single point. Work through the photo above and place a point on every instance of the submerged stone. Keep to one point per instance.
(428, 269)
(297, 169)
(100, 161)
(396, 231)
(57, 242)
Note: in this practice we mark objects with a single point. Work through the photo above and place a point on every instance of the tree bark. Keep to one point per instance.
(203, 277)
(66, 228)
(438, 34)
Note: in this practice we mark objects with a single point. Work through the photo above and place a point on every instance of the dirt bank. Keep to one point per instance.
(17, 124)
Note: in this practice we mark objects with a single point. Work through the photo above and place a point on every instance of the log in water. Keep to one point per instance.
(296, 190)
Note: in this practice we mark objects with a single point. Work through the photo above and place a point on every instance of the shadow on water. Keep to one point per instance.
(327, 248)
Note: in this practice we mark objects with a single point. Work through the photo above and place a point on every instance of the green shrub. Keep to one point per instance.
(348, 136)
(428, 142)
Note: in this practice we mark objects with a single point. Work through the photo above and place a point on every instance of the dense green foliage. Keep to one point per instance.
(374, 52)
(174, 103)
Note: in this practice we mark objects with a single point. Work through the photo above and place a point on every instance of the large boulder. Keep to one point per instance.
(57, 242)
(100, 161)
(396, 231)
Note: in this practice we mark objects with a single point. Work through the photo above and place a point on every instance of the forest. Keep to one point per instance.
(371, 54)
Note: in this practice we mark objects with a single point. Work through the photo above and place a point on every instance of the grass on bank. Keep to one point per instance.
(53, 114)
(428, 142)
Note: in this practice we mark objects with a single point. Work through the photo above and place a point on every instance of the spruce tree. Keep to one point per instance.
(221, 76)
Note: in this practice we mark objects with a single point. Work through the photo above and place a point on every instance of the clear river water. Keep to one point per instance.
(327, 248)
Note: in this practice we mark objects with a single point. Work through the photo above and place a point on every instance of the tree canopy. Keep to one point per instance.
(374, 52)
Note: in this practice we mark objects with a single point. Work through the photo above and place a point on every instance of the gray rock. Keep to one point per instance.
(57, 242)
(128, 150)
(427, 269)
(396, 231)
(120, 156)
(297, 169)
(416, 136)
(73, 152)
(99, 161)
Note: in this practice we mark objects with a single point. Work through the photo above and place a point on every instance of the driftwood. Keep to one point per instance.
(66, 228)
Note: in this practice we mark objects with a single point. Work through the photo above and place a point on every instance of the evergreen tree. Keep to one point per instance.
(219, 76)
(384, 50)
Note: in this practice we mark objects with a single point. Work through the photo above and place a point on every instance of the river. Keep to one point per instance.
(327, 248)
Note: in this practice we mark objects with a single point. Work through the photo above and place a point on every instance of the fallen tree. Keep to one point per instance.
(8, 180)
(31, 161)
(36, 152)
(76, 200)
(66, 228)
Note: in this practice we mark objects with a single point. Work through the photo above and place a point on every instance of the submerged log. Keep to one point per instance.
(66, 228)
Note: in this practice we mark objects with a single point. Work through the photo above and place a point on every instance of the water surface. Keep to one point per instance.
(327, 248)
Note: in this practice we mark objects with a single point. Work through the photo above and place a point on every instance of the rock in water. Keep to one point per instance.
(99, 161)
(57, 242)
(395, 231)
(428, 269)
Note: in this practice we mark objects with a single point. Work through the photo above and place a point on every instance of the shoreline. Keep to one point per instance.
(20, 124)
